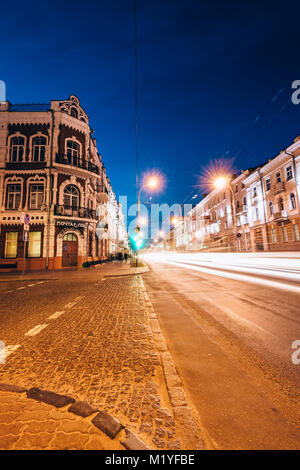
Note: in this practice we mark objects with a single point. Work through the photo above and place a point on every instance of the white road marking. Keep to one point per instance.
(30, 285)
(41, 282)
(11, 348)
(19, 288)
(56, 315)
(234, 315)
(34, 331)
(71, 304)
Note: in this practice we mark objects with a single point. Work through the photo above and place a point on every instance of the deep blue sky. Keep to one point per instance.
(208, 75)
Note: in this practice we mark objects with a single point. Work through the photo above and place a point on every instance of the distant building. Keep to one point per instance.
(257, 211)
(50, 168)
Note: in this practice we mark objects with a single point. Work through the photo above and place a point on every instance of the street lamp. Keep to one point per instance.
(151, 183)
(224, 182)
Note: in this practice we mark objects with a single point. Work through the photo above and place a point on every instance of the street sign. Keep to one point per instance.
(25, 236)
(27, 219)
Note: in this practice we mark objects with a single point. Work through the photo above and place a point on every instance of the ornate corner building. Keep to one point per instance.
(50, 168)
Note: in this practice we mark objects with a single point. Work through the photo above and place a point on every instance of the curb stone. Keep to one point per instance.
(182, 412)
(103, 420)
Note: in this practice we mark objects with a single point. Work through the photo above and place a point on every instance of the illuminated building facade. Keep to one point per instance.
(257, 211)
(50, 169)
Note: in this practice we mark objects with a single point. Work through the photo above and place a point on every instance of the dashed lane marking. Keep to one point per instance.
(11, 348)
(56, 315)
(19, 288)
(34, 331)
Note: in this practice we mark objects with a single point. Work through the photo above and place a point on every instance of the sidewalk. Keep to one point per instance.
(27, 424)
(107, 350)
(111, 268)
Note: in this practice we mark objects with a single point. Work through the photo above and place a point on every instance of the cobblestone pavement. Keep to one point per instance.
(90, 337)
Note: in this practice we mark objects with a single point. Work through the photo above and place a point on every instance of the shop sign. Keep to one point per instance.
(71, 224)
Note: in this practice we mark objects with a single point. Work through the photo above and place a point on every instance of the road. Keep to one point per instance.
(230, 321)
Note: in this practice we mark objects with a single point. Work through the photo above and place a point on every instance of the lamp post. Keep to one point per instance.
(151, 183)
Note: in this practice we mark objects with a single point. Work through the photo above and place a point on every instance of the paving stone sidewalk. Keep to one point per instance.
(28, 424)
(102, 350)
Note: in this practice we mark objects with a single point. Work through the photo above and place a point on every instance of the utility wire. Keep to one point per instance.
(136, 94)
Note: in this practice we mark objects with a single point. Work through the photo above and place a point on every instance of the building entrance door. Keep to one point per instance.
(70, 250)
(259, 242)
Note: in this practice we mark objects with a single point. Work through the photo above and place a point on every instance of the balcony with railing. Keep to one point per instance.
(75, 212)
(77, 162)
(278, 187)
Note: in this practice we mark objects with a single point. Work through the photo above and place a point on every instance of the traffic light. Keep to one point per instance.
(137, 241)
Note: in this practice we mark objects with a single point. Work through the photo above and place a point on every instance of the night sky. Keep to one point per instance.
(214, 79)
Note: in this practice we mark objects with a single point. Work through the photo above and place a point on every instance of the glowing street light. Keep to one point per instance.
(221, 182)
(152, 182)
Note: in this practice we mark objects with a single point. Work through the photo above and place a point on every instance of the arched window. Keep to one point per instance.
(70, 237)
(71, 197)
(73, 152)
(292, 201)
(271, 208)
(74, 113)
(17, 149)
(280, 204)
(39, 149)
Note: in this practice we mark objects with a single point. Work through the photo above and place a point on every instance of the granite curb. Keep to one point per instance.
(100, 419)
(182, 411)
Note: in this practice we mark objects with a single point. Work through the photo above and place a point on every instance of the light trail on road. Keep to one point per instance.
(253, 268)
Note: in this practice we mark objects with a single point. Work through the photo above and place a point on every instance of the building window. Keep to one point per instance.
(289, 173)
(74, 113)
(34, 244)
(256, 214)
(236, 188)
(268, 184)
(36, 196)
(274, 235)
(244, 201)
(296, 232)
(278, 177)
(254, 192)
(11, 244)
(271, 208)
(238, 204)
(285, 234)
(70, 237)
(71, 196)
(39, 149)
(73, 152)
(17, 149)
(13, 196)
(280, 204)
(292, 201)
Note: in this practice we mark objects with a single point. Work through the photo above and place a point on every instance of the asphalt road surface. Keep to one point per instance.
(232, 322)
